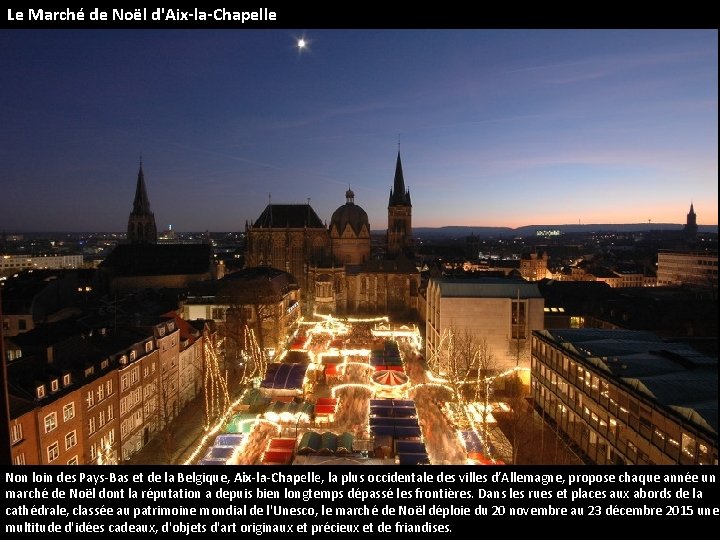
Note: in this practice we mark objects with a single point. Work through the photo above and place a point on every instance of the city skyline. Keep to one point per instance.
(496, 128)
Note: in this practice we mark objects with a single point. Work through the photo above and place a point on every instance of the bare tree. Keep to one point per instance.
(467, 363)
(250, 326)
(215, 386)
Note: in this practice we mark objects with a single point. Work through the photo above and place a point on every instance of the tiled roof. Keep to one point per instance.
(293, 216)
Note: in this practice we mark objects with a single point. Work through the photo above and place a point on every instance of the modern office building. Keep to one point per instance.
(695, 268)
(502, 311)
(627, 397)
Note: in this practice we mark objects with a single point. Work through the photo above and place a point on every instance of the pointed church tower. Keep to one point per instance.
(690, 230)
(399, 231)
(141, 223)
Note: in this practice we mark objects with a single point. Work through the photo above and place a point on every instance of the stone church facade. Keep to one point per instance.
(334, 265)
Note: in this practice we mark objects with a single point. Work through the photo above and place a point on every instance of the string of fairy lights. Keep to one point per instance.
(219, 409)
(217, 396)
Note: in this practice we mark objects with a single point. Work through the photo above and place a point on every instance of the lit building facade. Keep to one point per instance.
(99, 397)
(60, 427)
(264, 299)
(626, 397)
(696, 268)
(289, 237)
(137, 375)
(333, 265)
(191, 361)
(533, 266)
(100, 419)
(502, 311)
(10, 264)
(23, 429)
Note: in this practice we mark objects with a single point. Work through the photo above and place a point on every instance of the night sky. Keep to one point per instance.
(497, 128)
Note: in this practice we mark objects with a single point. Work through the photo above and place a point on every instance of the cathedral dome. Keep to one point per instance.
(349, 213)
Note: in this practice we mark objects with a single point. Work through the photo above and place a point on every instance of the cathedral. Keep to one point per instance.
(334, 265)
(142, 263)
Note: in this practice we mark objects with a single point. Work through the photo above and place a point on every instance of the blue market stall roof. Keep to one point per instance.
(158, 259)
(395, 427)
(284, 376)
(291, 216)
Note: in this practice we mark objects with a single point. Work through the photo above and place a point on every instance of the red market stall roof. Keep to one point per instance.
(331, 370)
(323, 410)
(282, 443)
(272, 457)
(325, 406)
(388, 377)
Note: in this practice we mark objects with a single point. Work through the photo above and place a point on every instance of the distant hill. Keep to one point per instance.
(530, 230)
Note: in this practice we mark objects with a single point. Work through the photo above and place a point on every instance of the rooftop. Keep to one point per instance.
(672, 374)
(292, 216)
(486, 288)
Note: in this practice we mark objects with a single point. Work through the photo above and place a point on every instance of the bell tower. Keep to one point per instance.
(141, 223)
(399, 231)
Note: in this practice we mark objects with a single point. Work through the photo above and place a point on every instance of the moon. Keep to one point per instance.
(301, 44)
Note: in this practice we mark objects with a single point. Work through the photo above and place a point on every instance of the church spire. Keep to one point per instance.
(141, 223)
(399, 231)
(398, 194)
(141, 204)
(690, 229)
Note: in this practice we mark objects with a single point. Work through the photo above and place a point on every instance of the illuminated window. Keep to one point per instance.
(73, 460)
(20, 459)
(70, 440)
(69, 411)
(53, 451)
(16, 433)
(50, 422)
